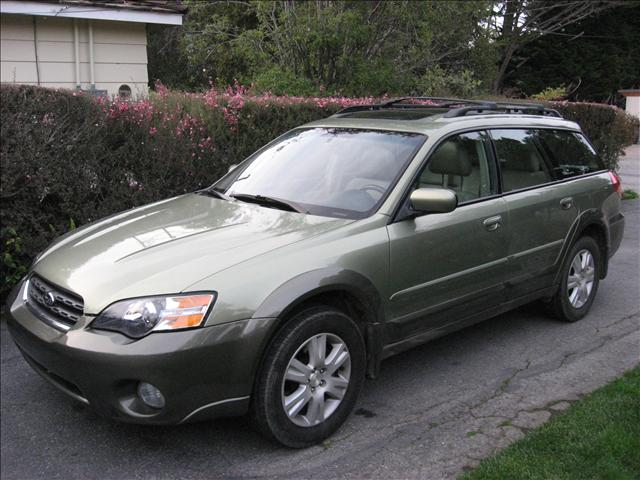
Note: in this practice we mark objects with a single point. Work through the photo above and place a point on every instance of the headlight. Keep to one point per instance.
(137, 317)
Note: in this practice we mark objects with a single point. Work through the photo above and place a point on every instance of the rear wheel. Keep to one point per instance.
(310, 379)
(579, 281)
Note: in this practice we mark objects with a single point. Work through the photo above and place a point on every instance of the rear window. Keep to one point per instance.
(570, 153)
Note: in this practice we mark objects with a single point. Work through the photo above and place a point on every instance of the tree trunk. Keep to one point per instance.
(502, 71)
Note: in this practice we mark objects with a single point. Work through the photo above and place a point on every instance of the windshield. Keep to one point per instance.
(336, 172)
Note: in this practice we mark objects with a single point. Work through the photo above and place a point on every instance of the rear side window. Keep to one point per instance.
(570, 153)
(520, 157)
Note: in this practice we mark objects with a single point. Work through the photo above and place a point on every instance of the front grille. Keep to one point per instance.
(53, 305)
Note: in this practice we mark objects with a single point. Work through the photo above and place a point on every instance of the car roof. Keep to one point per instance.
(432, 119)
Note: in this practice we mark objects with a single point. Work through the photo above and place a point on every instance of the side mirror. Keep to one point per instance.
(433, 200)
(232, 168)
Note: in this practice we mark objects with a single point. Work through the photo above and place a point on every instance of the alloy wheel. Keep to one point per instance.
(581, 278)
(316, 380)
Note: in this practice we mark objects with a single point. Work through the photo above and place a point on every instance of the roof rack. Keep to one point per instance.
(462, 107)
(436, 102)
(493, 107)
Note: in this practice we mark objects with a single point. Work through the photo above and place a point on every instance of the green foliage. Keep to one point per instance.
(551, 93)
(14, 259)
(439, 83)
(598, 437)
(361, 48)
(282, 81)
(353, 48)
(630, 194)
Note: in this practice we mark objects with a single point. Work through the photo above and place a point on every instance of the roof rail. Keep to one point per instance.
(492, 107)
(462, 107)
(437, 102)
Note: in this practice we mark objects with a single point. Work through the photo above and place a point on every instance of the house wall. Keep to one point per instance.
(633, 105)
(120, 53)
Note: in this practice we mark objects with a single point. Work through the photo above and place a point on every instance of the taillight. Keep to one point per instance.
(615, 181)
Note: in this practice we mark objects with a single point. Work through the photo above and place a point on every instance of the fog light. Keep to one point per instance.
(150, 395)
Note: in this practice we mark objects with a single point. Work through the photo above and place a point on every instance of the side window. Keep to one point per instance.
(521, 162)
(462, 164)
(570, 153)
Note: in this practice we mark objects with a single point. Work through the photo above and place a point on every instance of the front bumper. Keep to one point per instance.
(203, 373)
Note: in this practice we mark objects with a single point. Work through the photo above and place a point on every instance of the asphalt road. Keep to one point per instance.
(433, 412)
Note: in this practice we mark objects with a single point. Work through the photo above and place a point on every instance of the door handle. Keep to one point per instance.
(492, 223)
(566, 203)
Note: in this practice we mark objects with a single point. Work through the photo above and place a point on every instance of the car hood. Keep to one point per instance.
(167, 246)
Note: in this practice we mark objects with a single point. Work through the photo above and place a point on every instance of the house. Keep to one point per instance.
(97, 46)
(632, 105)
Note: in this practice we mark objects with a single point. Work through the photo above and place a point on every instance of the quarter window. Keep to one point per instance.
(570, 153)
(461, 164)
(521, 162)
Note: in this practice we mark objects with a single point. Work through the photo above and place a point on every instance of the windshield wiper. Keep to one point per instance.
(267, 202)
(211, 192)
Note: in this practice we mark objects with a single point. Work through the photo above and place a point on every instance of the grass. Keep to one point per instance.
(629, 194)
(596, 438)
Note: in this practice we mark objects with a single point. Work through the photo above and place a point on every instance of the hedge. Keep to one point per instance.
(68, 159)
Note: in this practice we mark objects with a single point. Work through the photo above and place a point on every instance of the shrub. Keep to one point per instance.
(68, 159)
(438, 82)
(551, 93)
(609, 128)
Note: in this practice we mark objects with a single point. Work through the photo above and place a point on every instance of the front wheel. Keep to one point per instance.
(580, 277)
(310, 379)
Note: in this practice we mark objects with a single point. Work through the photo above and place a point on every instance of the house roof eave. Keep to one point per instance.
(110, 10)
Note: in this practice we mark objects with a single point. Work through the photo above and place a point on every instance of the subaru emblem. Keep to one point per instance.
(49, 299)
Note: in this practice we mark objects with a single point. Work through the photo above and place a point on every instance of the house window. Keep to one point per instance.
(124, 91)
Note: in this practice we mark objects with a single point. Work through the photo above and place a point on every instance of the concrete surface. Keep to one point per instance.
(630, 168)
(434, 412)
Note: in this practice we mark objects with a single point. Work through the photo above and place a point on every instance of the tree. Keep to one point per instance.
(368, 47)
(594, 58)
(517, 23)
(355, 47)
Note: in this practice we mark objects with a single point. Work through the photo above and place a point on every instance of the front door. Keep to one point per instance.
(448, 266)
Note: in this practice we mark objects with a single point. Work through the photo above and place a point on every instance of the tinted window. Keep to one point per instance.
(461, 163)
(570, 153)
(521, 162)
(326, 171)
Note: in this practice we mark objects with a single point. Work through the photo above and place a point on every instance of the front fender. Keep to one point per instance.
(304, 286)
(296, 291)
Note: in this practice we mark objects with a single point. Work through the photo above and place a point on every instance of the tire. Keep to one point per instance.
(311, 390)
(573, 299)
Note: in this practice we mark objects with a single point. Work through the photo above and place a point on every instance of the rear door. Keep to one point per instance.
(448, 266)
(541, 210)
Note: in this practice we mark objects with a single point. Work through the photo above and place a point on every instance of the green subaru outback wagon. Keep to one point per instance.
(278, 289)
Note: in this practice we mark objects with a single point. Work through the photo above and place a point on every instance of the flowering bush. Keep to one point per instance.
(68, 159)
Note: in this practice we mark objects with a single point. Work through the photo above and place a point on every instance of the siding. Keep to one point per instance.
(120, 53)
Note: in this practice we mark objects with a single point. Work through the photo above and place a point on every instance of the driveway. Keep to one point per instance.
(434, 411)
(630, 168)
